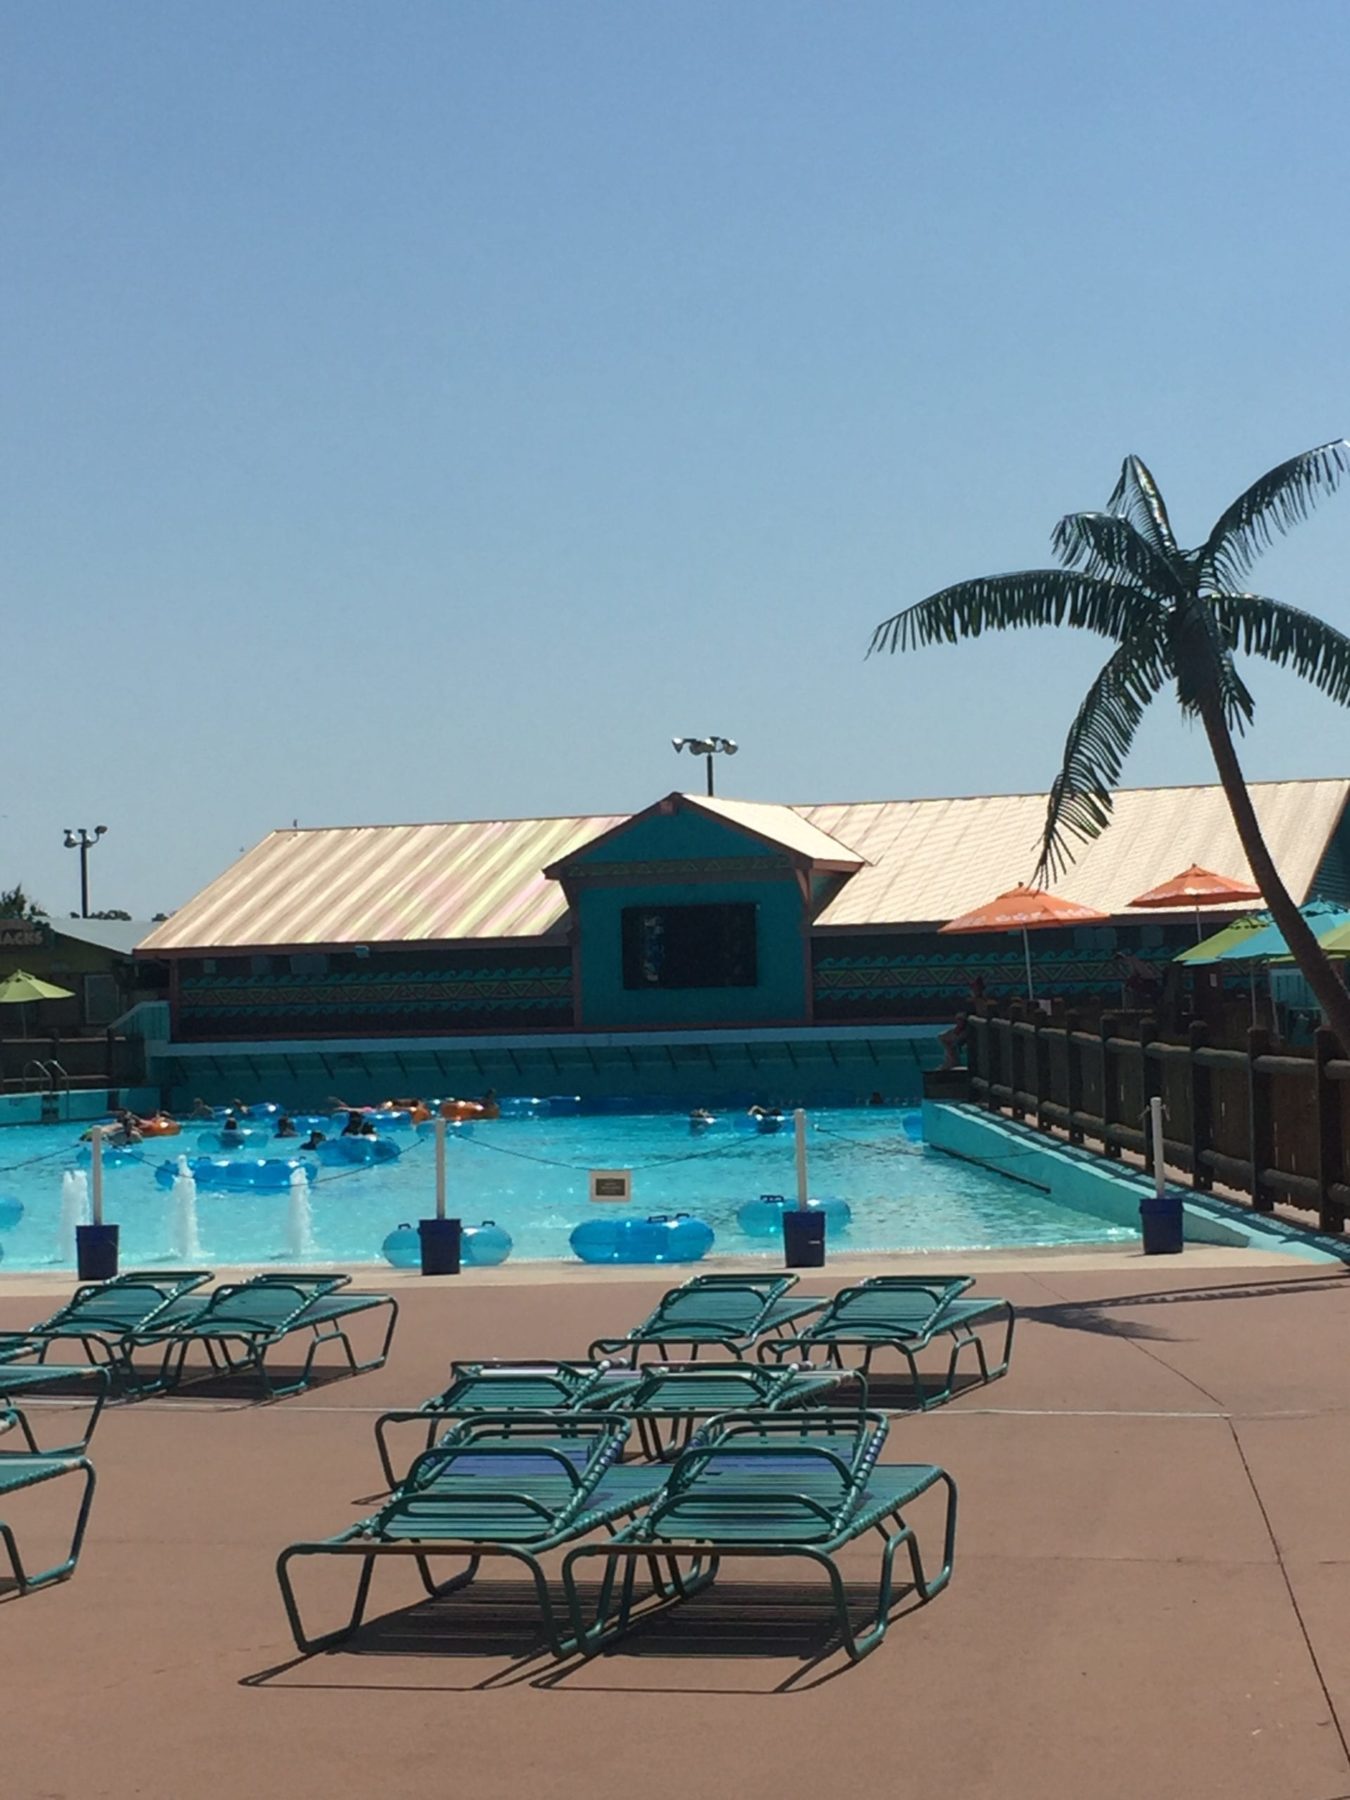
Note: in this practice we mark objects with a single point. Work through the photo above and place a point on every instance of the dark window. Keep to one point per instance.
(689, 946)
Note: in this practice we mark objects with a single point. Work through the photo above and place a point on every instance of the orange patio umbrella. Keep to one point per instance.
(1196, 887)
(1025, 909)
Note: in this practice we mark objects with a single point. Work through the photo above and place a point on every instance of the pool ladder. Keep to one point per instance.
(46, 1076)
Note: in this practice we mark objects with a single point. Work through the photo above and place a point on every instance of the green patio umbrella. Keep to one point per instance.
(1335, 942)
(1212, 949)
(22, 989)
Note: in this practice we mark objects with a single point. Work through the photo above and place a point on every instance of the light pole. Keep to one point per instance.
(709, 747)
(84, 843)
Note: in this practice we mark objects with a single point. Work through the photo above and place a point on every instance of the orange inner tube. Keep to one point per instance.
(160, 1126)
(461, 1109)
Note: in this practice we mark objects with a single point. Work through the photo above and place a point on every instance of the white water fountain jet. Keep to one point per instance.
(74, 1211)
(183, 1233)
(300, 1245)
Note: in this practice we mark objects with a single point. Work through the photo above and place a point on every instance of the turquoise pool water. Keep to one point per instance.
(530, 1175)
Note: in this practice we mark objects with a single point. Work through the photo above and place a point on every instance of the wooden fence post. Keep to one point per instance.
(1261, 1118)
(1330, 1138)
(1014, 1058)
(1202, 1110)
(1073, 1075)
(1107, 1030)
(976, 1056)
(1150, 1082)
(1040, 1046)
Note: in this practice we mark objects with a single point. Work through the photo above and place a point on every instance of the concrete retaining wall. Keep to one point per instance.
(1074, 1178)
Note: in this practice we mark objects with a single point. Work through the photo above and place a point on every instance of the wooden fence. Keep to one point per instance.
(1272, 1125)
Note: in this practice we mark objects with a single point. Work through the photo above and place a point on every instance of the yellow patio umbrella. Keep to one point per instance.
(23, 989)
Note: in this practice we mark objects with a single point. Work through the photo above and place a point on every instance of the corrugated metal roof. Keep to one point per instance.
(121, 936)
(926, 861)
(934, 859)
(785, 825)
(383, 884)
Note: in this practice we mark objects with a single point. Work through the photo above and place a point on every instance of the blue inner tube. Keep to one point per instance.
(763, 1218)
(344, 1151)
(248, 1137)
(304, 1123)
(402, 1247)
(238, 1174)
(115, 1156)
(659, 1239)
(382, 1121)
(484, 1246)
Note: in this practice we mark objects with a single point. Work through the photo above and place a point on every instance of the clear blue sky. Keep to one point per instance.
(418, 410)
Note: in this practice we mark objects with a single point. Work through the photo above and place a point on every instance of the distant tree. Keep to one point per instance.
(16, 904)
(112, 912)
(158, 918)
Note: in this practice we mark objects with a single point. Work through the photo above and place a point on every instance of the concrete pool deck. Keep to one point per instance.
(1152, 1594)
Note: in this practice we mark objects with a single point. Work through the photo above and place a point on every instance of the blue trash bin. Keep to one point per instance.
(439, 1241)
(803, 1237)
(1160, 1223)
(96, 1252)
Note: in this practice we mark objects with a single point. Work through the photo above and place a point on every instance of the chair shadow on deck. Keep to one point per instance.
(749, 1621)
(201, 1382)
(1096, 1315)
(488, 1621)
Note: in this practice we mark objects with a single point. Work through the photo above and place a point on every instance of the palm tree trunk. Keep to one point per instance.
(1316, 968)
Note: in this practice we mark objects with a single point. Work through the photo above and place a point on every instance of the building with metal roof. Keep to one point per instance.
(698, 915)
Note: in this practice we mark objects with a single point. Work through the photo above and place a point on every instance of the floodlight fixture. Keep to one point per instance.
(707, 747)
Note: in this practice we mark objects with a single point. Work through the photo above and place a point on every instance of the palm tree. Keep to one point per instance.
(1174, 616)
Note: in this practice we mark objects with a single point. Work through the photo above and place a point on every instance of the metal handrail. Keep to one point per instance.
(44, 1075)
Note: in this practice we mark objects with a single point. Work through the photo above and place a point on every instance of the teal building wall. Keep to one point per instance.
(683, 859)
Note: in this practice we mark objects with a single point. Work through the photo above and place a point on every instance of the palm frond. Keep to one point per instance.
(1139, 499)
(1201, 654)
(1016, 602)
(1271, 506)
(1288, 638)
(1112, 546)
(1079, 805)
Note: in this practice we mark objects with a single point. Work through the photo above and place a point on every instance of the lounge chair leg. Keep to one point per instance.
(15, 1560)
(25, 1582)
(437, 1590)
(310, 1646)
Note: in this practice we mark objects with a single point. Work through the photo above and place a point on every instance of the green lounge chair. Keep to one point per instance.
(804, 1485)
(732, 1312)
(667, 1401)
(90, 1382)
(654, 1396)
(903, 1314)
(492, 1387)
(241, 1322)
(501, 1487)
(104, 1317)
(19, 1471)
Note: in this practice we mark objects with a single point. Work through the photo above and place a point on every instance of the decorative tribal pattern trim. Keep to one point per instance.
(769, 867)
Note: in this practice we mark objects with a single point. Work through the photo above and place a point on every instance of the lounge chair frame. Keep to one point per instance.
(104, 1319)
(19, 1472)
(592, 1505)
(952, 1317)
(875, 1498)
(675, 1321)
(500, 1387)
(18, 1379)
(239, 1344)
